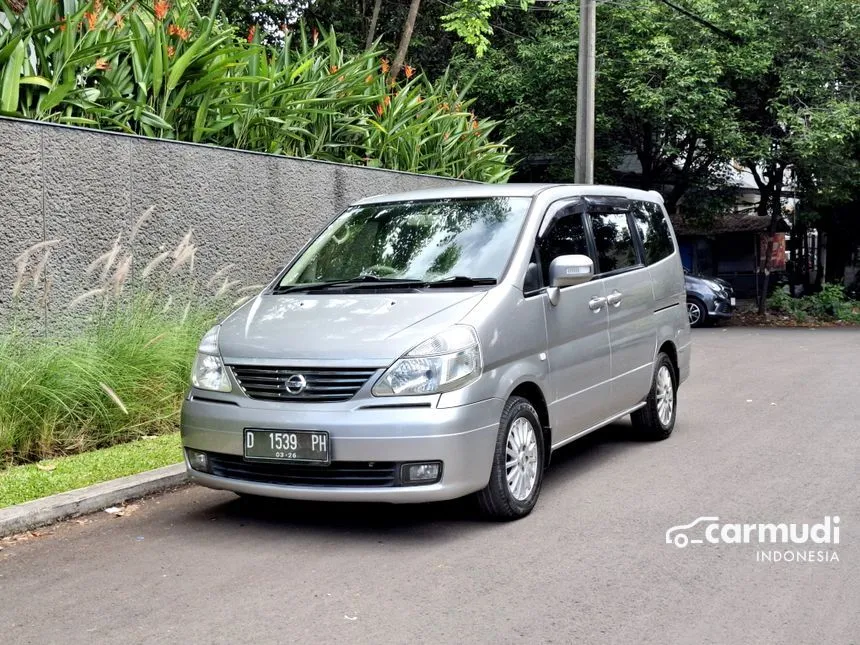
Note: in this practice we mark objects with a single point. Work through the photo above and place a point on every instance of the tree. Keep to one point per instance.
(659, 96)
(797, 109)
(405, 38)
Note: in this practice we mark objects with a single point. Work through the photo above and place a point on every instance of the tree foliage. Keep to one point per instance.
(166, 71)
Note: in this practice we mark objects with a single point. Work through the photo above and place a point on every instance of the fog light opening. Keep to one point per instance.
(198, 460)
(421, 473)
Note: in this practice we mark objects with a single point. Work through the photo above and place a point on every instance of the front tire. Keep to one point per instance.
(697, 312)
(518, 464)
(656, 420)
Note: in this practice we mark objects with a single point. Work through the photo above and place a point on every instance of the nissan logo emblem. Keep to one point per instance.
(296, 384)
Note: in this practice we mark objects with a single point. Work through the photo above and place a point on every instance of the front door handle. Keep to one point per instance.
(615, 298)
(596, 303)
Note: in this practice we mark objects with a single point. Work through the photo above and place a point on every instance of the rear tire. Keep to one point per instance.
(518, 464)
(656, 420)
(697, 312)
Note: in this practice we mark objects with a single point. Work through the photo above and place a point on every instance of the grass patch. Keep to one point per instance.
(117, 381)
(117, 366)
(20, 484)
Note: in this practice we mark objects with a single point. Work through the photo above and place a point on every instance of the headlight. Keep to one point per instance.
(716, 286)
(208, 372)
(443, 363)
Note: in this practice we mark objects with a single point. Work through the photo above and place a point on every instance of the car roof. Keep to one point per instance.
(470, 191)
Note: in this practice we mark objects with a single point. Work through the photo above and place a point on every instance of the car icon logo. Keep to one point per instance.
(296, 384)
(677, 535)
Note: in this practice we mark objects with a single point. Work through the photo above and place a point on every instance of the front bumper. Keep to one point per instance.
(463, 438)
(721, 306)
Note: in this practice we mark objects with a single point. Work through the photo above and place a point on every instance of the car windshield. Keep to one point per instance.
(460, 242)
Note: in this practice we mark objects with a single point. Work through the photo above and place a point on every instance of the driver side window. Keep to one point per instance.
(565, 236)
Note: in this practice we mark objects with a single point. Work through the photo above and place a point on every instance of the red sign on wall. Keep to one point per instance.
(777, 256)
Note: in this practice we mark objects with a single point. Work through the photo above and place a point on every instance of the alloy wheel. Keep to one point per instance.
(694, 313)
(665, 396)
(521, 461)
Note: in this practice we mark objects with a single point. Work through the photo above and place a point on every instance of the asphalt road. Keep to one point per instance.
(768, 431)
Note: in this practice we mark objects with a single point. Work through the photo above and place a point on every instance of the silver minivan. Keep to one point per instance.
(440, 343)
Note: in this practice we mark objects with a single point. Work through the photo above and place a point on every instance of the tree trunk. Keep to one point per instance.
(405, 38)
(646, 157)
(762, 210)
(776, 213)
(371, 30)
(821, 267)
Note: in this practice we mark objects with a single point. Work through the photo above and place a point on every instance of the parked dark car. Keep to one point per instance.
(708, 299)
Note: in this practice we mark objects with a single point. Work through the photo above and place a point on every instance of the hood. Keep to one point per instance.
(361, 329)
(699, 280)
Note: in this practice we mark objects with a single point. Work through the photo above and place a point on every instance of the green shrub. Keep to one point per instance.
(829, 304)
(114, 383)
(123, 373)
(166, 71)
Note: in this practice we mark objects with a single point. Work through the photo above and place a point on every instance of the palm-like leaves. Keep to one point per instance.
(169, 72)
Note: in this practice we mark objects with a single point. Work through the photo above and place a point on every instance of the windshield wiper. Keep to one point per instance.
(460, 281)
(366, 279)
(375, 282)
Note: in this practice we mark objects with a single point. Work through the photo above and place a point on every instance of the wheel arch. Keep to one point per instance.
(668, 348)
(532, 392)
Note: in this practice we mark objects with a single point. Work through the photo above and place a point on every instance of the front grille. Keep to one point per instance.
(323, 384)
(339, 473)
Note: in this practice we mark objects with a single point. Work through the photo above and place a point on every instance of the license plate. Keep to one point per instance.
(732, 300)
(287, 445)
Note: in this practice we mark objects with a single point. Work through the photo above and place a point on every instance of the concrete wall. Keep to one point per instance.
(87, 187)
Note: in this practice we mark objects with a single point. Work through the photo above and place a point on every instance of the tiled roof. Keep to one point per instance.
(731, 223)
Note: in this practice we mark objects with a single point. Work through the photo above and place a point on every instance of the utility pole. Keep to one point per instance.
(584, 164)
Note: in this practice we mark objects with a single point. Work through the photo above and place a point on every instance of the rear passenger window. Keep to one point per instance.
(566, 236)
(615, 248)
(654, 231)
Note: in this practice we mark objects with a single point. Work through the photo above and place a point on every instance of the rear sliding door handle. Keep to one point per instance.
(596, 303)
(614, 298)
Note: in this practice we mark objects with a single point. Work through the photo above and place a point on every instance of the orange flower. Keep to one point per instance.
(333, 69)
(315, 34)
(251, 33)
(102, 64)
(474, 124)
(97, 7)
(171, 50)
(92, 19)
(380, 109)
(368, 79)
(445, 107)
(384, 65)
(409, 71)
(341, 78)
(161, 8)
(119, 19)
(387, 100)
(176, 30)
(63, 24)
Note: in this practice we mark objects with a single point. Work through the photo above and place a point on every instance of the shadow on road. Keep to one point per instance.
(372, 520)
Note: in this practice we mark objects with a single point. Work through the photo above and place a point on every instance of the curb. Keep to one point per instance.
(39, 512)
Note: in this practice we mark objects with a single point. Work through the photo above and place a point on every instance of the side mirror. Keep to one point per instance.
(568, 270)
(532, 279)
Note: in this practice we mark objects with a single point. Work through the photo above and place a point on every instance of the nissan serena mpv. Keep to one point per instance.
(440, 343)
